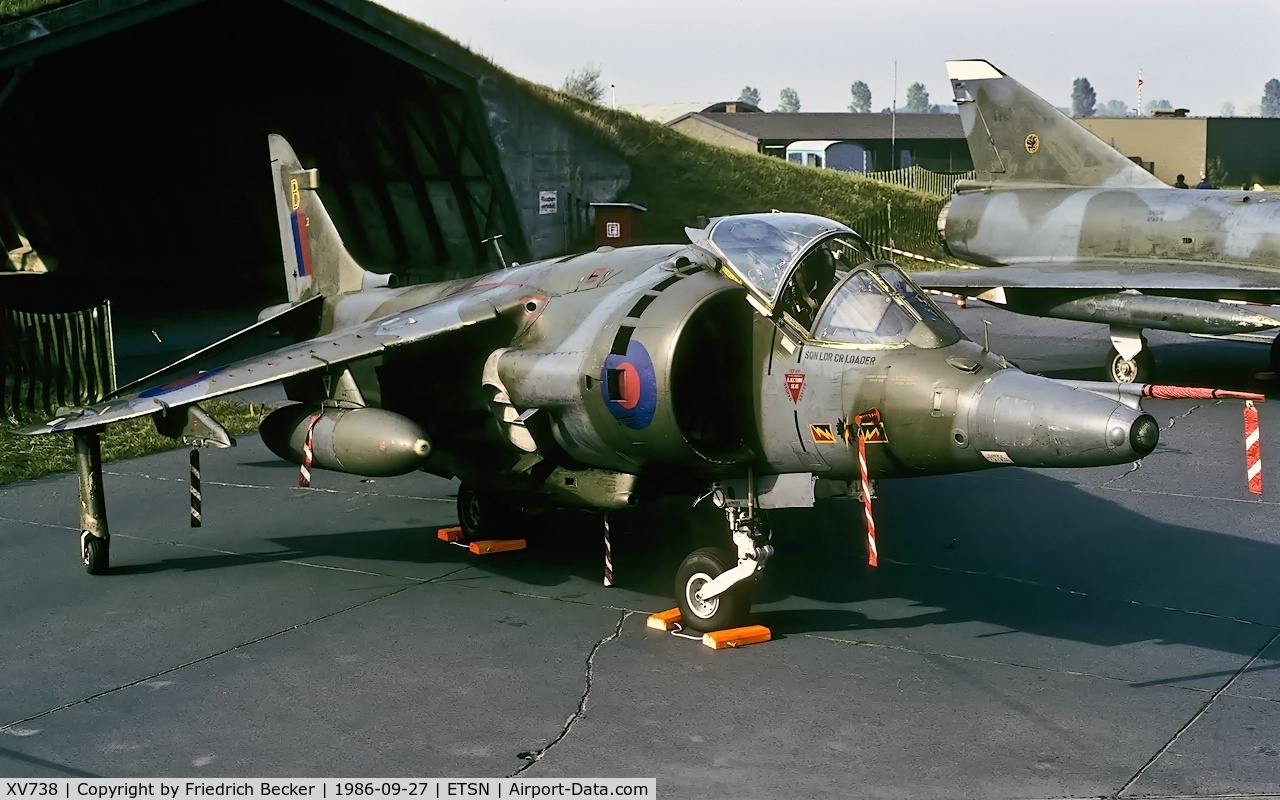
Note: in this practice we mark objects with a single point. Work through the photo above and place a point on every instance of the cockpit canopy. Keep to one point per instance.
(822, 278)
(762, 249)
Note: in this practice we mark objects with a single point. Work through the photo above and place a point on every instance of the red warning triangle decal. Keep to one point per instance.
(795, 385)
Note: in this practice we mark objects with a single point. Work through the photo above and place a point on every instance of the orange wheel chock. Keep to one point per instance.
(449, 534)
(496, 546)
(664, 620)
(736, 637)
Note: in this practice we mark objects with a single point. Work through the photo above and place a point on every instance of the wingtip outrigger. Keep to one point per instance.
(190, 424)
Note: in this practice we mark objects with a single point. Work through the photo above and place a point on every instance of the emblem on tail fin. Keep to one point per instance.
(315, 260)
(301, 247)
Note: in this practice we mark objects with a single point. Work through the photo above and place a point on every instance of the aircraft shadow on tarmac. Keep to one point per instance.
(1016, 549)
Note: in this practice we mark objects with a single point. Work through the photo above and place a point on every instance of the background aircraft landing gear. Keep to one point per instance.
(1130, 359)
(1138, 369)
(484, 515)
(713, 590)
(1275, 355)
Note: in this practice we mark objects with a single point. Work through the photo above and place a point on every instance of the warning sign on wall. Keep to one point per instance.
(547, 202)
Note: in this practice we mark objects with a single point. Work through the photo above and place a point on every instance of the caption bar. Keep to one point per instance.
(285, 788)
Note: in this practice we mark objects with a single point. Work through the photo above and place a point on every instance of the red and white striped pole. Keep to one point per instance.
(871, 417)
(1252, 439)
(304, 476)
(1252, 447)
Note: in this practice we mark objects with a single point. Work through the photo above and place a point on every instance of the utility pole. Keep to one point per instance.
(893, 122)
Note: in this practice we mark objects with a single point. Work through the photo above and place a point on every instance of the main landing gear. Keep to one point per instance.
(713, 591)
(1130, 359)
(484, 515)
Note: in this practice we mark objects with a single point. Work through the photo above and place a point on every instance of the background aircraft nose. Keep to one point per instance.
(1036, 422)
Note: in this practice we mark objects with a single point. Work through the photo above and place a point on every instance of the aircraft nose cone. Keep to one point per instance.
(1144, 435)
(1032, 421)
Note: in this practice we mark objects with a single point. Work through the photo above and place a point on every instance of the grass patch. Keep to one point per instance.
(23, 458)
(678, 178)
(17, 8)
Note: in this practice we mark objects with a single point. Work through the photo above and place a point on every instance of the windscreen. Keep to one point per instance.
(863, 312)
(911, 293)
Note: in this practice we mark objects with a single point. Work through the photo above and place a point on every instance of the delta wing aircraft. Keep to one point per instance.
(740, 367)
(1081, 232)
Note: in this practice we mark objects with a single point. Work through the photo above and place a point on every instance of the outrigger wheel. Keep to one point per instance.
(96, 553)
(725, 610)
(482, 515)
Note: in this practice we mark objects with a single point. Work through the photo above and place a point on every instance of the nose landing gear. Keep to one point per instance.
(712, 591)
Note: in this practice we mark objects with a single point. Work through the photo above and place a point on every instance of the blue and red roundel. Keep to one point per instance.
(180, 383)
(636, 386)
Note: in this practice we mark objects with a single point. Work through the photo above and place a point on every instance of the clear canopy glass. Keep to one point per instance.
(875, 304)
(760, 248)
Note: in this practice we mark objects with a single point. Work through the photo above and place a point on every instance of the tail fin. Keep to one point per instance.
(315, 261)
(1015, 136)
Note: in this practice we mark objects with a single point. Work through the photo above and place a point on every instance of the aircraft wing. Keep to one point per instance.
(348, 344)
(1196, 280)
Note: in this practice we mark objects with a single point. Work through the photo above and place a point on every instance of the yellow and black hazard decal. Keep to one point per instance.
(1032, 143)
(872, 432)
(822, 434)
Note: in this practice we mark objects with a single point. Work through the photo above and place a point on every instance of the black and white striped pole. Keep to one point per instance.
(608, 554)
(195, 487)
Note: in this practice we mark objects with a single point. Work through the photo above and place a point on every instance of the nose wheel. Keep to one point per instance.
(726, 609)
(713, 589)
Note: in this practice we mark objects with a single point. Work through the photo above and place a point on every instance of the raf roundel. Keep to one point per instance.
(630, 387)
(180, 383)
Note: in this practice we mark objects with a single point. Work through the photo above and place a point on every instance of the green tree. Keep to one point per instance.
(1112, 108)
(1271, 99)
(1228, 109)
(1152, 105)
(917, 99)
(1083, 98)
(789, 100)
(861, 94)
(749, 94)
(584, 84)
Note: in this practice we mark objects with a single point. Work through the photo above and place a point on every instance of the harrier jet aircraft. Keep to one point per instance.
(1081, 232)
(741, 367)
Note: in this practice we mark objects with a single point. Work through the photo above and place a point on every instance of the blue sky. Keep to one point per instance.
(1194, 54)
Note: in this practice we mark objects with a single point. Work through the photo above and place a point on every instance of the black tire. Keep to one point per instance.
(481, 515)
(1275, 355)
(96, 554)
(723, 611)
(1141, 369)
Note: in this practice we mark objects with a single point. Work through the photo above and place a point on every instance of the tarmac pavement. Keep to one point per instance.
(1029, 633)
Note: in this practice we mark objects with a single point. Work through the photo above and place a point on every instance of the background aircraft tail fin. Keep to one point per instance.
(315, 260)
(1016, 136)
